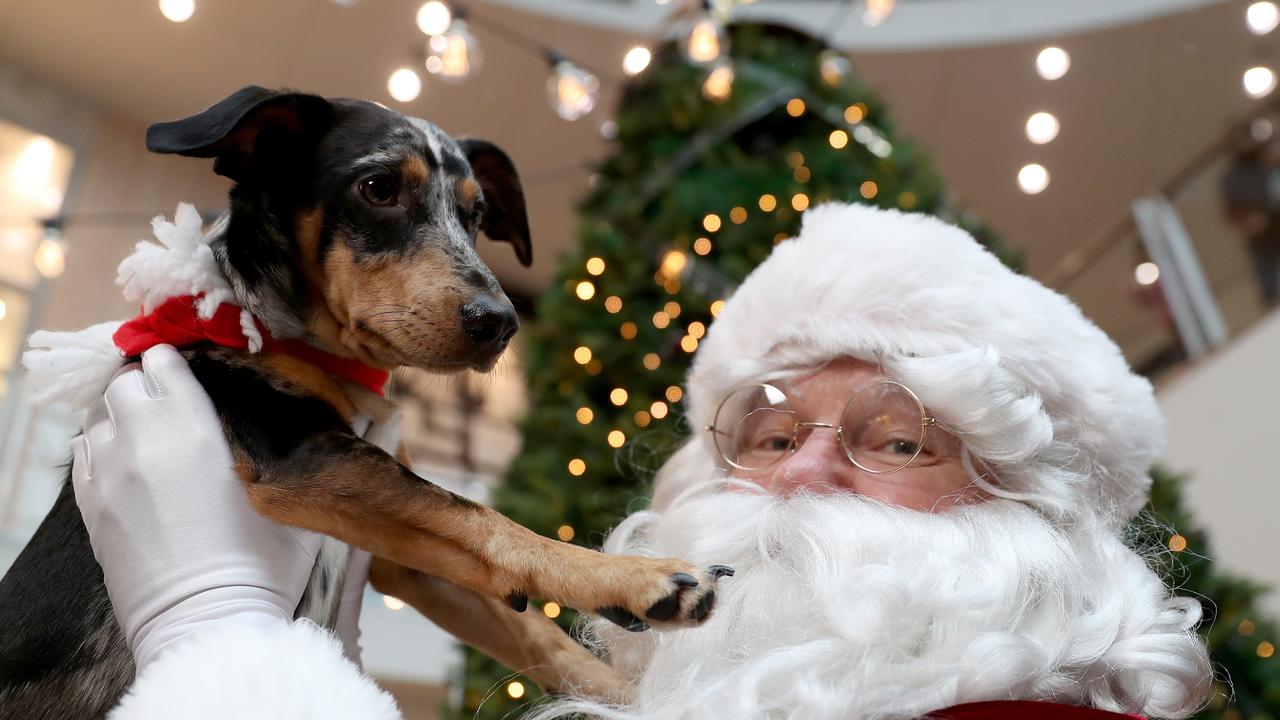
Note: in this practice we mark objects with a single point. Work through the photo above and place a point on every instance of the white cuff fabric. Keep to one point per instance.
(287, 670)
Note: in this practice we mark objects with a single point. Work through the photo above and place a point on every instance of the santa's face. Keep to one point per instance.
(836, 396)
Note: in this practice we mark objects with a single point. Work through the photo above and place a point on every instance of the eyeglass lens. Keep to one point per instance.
(881, 427)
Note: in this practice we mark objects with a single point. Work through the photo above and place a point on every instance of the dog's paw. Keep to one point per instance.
(682, 599)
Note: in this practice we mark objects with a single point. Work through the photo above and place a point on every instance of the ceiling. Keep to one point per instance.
(1141, 99)
(914, 24)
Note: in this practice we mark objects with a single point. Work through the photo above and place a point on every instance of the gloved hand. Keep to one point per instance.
(170, 523)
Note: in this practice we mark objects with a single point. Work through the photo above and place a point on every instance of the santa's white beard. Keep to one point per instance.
(847, 608)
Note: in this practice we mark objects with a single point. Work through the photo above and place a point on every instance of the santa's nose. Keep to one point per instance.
(818, 465)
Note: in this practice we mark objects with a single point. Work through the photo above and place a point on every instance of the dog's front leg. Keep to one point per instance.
(529, 643)
(335, 483)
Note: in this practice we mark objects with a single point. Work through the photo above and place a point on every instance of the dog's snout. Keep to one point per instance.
(490, 322)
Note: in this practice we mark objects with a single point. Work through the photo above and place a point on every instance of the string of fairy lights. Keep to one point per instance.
(452, 54)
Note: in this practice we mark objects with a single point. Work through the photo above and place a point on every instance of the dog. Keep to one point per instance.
(351, 227)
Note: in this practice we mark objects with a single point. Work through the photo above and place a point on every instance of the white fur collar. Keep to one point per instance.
(74, 367)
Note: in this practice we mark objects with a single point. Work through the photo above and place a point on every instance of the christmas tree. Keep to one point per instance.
(712, 165)
(1241, 639)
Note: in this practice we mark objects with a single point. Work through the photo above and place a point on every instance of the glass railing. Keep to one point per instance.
(1175, 278)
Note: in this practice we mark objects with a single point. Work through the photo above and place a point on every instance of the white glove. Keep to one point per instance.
(170, 523)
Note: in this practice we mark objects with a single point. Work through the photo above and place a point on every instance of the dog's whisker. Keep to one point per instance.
(388, 320)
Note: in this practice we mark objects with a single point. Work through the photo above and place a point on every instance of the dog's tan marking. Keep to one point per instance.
(311, 379)
(414, 169)
(529, 643)
(307, 227)
(468, 190)
(394, 311)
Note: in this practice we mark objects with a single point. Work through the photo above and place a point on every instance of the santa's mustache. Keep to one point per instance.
(847, 607)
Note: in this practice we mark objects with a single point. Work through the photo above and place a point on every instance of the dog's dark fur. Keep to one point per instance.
(353, 227)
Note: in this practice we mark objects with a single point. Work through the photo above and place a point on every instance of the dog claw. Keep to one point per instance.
(624, 619)
(518, 601)
(687, 580)
(719, 571)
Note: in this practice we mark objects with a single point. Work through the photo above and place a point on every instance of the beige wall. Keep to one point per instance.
(116, 187)
(1223, 432)
(118, 177)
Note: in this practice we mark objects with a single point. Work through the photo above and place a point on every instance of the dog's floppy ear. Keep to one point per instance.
(506, 219)
(230, 129)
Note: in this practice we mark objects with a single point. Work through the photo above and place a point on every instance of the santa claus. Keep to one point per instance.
(925, 469)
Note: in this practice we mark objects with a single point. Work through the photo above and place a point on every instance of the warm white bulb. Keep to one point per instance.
(718, 85)
(178, 10)
(1052, 63)
(1259, 81)
(392, 602)
(833, 67)
(636, 60)
(572, 90)
(1033, 178)
(434, 17)
(4, 309)
(703, 43)
(876, 12)
(1146, 273)
(1042, 127)
(33, 167)
(1262, 17)
(404, 85)
(50, 258)
(455, 55)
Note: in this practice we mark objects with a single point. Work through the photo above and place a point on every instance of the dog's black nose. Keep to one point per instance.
(489, 322)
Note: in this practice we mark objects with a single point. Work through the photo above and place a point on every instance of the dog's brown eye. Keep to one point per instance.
(380, 190)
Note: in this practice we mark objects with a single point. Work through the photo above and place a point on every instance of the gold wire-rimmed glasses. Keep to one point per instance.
(882, 427)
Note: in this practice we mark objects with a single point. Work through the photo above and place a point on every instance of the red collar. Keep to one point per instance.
(1024, 710)
(176, 323)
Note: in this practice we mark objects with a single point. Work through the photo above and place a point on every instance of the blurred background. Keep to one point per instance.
(1120, 151)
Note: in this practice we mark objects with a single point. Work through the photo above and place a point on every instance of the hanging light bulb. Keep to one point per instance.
(51, 256)
(718, 86)
(636, 60)
(434, 17)
(876, 12)
(1033, 178)
(705, 41)
(454, 54)
(834, 67)
(1053, 62)
(1262, 17)
(1259, 81)
(1042, 127)
(571, 90)
(404, 85)
(178, 11)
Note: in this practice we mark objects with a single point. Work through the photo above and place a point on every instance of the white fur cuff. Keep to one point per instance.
(293, 670)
